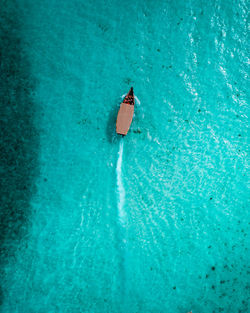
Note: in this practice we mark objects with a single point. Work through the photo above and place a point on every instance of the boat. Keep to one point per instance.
(125, 114)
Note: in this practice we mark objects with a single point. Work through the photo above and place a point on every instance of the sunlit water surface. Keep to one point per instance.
(157, 221)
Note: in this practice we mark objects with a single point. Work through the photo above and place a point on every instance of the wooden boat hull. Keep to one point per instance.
(125, 114)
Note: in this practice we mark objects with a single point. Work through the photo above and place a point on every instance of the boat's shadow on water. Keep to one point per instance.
(111, 124)
(19, 140)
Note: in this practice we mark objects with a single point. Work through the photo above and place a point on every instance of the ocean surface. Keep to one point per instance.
(157, 221)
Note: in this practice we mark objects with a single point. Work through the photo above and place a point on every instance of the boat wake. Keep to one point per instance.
(122, 230)
(120, 187)
(138, 102)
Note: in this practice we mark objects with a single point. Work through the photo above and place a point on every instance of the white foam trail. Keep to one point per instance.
(122, 233)
(121, 190)
(137, 101)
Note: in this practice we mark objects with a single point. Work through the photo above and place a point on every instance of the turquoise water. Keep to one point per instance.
(157, 221)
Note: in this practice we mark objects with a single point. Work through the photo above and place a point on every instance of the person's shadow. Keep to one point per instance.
(111, 124)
